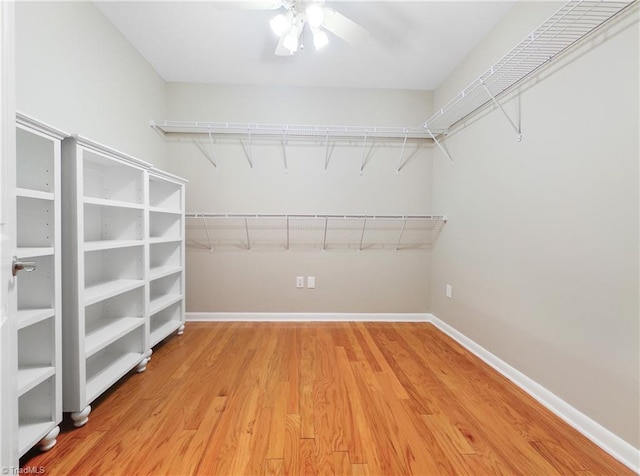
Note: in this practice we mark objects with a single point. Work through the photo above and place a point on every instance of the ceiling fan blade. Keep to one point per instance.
(280, 49)
(343, 27)
(251, 5)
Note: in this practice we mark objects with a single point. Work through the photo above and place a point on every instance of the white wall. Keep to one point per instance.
(75, 71)
(347, 281)
(541, 246)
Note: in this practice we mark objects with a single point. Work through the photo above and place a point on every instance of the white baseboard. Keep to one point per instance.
(605, 439)
(306, 317)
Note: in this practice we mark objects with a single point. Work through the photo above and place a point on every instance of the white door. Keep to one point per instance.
(8, 417)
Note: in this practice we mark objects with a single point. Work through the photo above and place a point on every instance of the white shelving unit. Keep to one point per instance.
(39, 302)
(216, 231)
(166, 255)
(104, 270)
(123, 267)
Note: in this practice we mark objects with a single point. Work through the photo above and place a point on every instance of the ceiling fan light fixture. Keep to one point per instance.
(280, 24)
(315, 15)
(320, 38)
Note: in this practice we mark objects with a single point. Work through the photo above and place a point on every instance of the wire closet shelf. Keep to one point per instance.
(218, 231)
(280, 131)
(575, 20)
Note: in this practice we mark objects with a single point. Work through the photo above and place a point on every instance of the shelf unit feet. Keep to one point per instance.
(49, 441)
(181, 330)
(149, 355)
(142, 366)
(82, 417)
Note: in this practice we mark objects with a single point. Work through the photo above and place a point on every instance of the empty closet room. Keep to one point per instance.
(389, 238)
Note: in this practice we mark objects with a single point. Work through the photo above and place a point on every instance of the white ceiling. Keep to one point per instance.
(412, 45)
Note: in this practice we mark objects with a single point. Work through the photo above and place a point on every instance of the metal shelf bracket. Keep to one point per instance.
(404, 224)
(206, 228)
(495, 101)
(364, 226)
(284, 149)
(364, 152)
(213, 150)
(246, 229)
(247, 148)
(211, 158)
(327, 152)
(400, 164)
(435, 139)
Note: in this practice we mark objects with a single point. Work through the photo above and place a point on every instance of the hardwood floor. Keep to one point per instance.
(329, 398)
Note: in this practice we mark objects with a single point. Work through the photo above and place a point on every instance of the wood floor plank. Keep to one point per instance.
(341, 463)
(391, 380)
(203, 435)
(307, 457)
(277, 427)
(274, 467)
(360, 470)
(292, 350)
(319, 398)
(390, 458)
(361, 443)
(328, 426)
(291, 458)
(307, 380)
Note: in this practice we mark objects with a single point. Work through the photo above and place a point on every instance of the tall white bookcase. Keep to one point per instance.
(166, 255)
(123, 261)
(37, 267)
(104, 269)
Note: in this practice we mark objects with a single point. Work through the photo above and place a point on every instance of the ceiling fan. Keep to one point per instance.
(290, 24)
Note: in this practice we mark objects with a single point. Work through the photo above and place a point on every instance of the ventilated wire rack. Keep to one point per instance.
(568, 25)
(278, 131)
(211, 231)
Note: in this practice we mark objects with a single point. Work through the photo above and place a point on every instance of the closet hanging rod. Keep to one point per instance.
(317, 216)
(278, 131)
(570, 24)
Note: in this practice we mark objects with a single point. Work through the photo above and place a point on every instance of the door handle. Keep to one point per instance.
(27, 266)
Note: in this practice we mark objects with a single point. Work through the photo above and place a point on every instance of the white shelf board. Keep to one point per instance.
(154, 241)
(102, 291)
(37, 194)
(114, 367)
(162, 271)
(99, 338)
(168, 210)
(28, 317)
(29, 377)
(163, 331)
(111, 244)
(162, 302)
(31, 433)
(103, 202)
(32, 252)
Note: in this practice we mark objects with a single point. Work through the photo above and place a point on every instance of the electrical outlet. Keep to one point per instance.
(299, 282)
(311, 282)
(448, 290)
